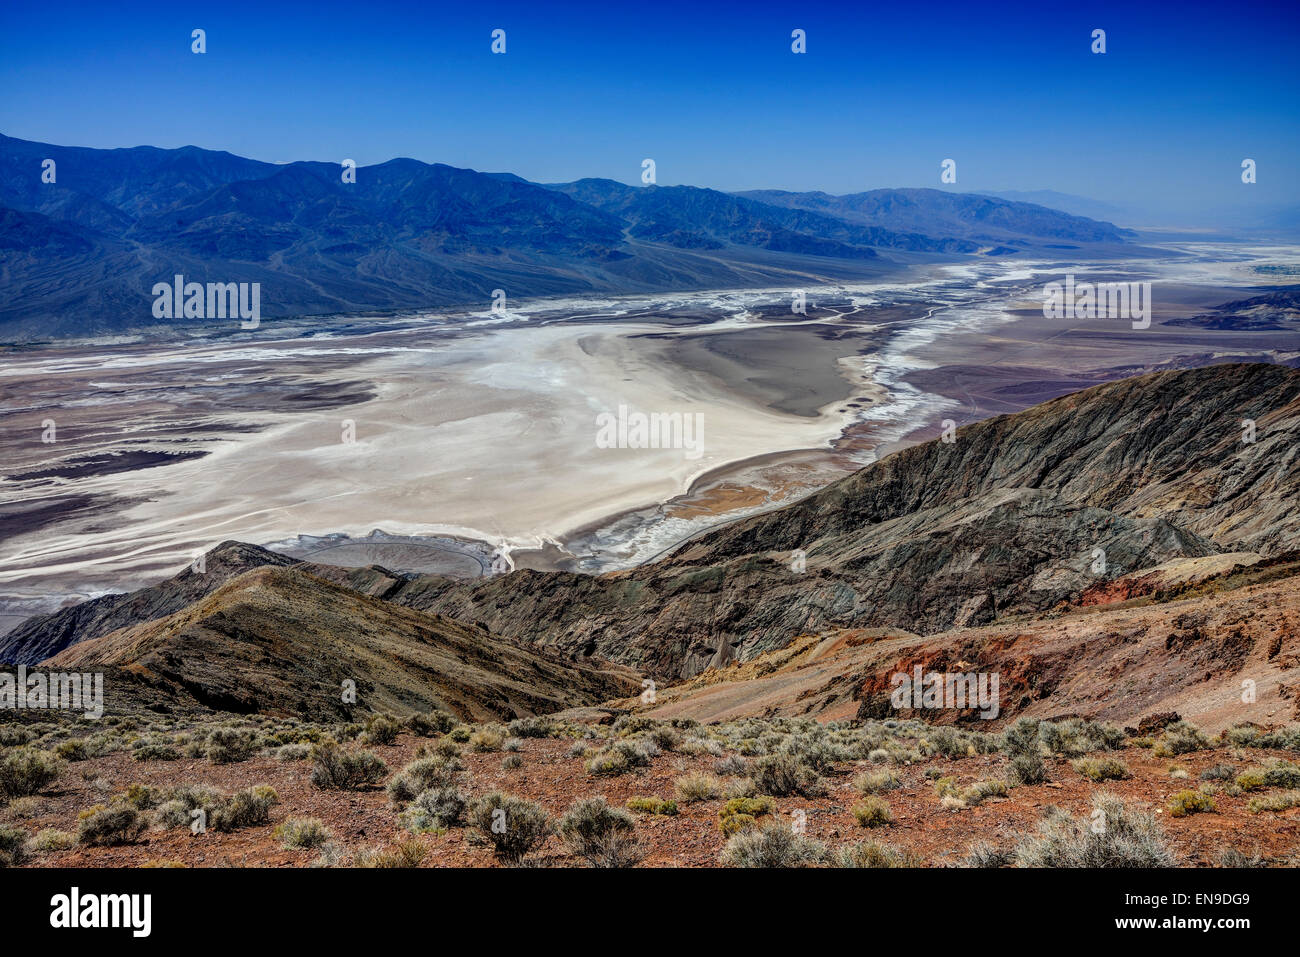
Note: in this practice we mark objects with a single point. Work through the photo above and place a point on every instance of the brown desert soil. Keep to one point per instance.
(691, 839)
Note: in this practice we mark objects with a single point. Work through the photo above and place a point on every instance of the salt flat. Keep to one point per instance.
(483, 426)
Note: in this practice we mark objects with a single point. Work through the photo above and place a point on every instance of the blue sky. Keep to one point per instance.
(712, 92)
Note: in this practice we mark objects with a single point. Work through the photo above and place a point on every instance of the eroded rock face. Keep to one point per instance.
(1021, 513)
(281, 641)
(43, 636)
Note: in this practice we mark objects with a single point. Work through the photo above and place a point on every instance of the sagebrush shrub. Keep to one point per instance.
(601, 835)
(1114, 835)
(25, 771)
(302, 833)
(337, 769)
(247, 808)
(436, 809)
(512, 825)
(105, 826)
(774, 845)
(876, 854)
(13, 846)
(423, 774)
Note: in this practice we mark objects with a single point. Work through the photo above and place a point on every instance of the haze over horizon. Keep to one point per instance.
(1159, 123)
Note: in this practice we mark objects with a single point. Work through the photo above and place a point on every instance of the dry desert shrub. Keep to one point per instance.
(515, 827)
(1115, 834)
(302, 833)
(25, 771)
(336, 769)
(601, 835)
(774, 845)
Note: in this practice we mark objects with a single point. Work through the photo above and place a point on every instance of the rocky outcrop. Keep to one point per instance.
(42, 636)
(280, 641)
(1019, 514)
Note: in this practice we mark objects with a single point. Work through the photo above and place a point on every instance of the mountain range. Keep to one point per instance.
(79, 256)
(1122, 537)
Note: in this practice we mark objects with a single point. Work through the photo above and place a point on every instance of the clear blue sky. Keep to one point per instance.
(710, 91)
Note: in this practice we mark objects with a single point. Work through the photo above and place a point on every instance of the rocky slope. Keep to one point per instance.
(280, 641)
(1018, 515)
(1075, 508)
(42, 636)
(1187, 646)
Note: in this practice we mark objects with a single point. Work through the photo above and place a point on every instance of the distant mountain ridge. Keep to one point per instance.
(79, 256)
(969, 216)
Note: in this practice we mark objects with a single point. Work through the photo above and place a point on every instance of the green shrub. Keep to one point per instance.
(1189, 802)
(742, 813)
(1252, 779)
(1280, 774)
(653, 805)
(1101, 769)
